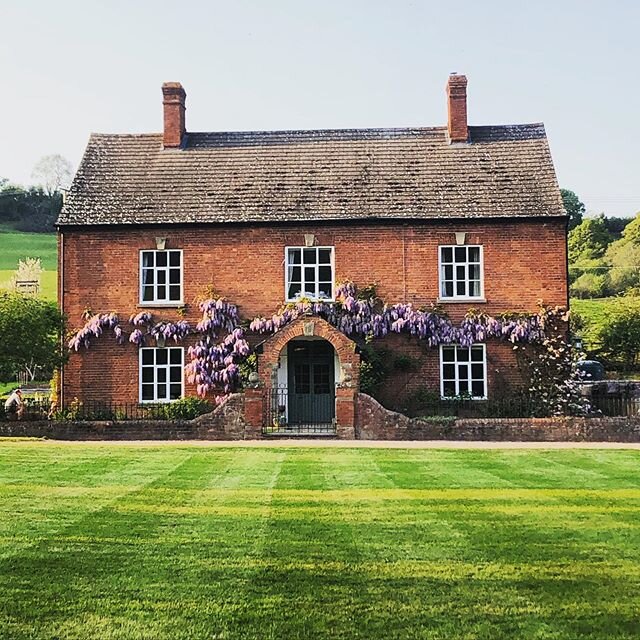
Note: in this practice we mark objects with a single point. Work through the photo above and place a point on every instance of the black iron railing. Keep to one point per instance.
(91, 410)
(288, 413)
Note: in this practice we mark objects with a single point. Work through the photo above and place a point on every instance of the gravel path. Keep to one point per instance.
(360, 444)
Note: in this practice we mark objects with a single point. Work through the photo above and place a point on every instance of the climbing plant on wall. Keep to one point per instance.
(222, 345)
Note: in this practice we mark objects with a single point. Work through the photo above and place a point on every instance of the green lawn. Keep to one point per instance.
(170, 542)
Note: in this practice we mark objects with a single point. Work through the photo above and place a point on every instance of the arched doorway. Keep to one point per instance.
(310, 366)
(309, 373)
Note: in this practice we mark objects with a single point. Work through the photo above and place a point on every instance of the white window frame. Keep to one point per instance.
(469, 377)
(316, 282)
(156, 302)
(155, 366)
(455, 296)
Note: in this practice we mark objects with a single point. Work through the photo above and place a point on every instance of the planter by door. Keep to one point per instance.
(311, 382)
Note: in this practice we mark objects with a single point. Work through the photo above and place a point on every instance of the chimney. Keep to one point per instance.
(173, 96)
(457, 107)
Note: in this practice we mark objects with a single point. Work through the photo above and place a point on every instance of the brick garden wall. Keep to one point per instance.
(524, 261)
(374, 422)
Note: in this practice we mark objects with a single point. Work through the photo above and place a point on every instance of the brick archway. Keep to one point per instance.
(348, 380)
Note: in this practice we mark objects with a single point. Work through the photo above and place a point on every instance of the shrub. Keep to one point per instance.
(186, 408)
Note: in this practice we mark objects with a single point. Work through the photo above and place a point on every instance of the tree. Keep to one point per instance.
(589, 240)
(620, 335)
(29, 209)
(52, 173)
(573, 206)
(616, 225)
(31, 331)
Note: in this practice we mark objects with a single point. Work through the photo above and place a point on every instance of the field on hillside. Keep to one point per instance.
(179, 541)
(15, 246)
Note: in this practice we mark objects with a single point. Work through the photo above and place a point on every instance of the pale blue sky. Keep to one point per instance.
(73, 67)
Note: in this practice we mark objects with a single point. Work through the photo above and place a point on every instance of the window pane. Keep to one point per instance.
(161, 356)
(474, 272)
(162, 292)
(463, 354)
(477, 371)
(460, 273)
(324, 256)
(174, 258)
(147, 276)
(295, 274)
(309, 256)
(176, 356)
(447, 254)
(474, 288)
(477, 389)
(448, 354)
(147, 258)
(174, 292)
(161, 259)
(474, 254)
(449, 388)
(147, 356)
(447, 290)
(174, 276)
(176, 391)
(147, 392)
(477, 354)
(147, 374)
(294, 290)
(175, 374)
(162, 392)
(463, 387)
(461, 254)
(309, 290)
(147, 294)
(324, 274)
(309, 274)
(449, 371)
(324, 290)
(294, 256)
(463, 371)
(162, 277)
(448, 272)
(161, 375)
(460, 288)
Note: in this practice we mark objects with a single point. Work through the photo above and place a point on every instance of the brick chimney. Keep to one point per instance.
(173, 96)
(457, 108)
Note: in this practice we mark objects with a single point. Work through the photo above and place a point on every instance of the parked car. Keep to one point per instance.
(592, 369)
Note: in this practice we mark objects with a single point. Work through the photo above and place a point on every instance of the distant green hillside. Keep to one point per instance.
(16, 245)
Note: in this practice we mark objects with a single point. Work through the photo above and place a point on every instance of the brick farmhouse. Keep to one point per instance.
(458, 215)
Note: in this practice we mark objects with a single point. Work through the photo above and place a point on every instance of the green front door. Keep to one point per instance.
(311, 382)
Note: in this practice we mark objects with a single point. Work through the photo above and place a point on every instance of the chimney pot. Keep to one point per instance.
(457, 108)
(173, 101)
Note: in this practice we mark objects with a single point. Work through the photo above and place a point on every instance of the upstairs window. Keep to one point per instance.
(161, 374)
(463, 371)
(309, 273)
(161, 277)
(461, 272)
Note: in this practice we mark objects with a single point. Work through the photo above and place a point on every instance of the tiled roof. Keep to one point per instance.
(505, 171)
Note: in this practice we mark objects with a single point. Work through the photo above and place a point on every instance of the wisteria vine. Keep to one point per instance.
(214, 363)
(368, 318)
(215, 358)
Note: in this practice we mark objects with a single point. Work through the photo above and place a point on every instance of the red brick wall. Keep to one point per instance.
(523, 261)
